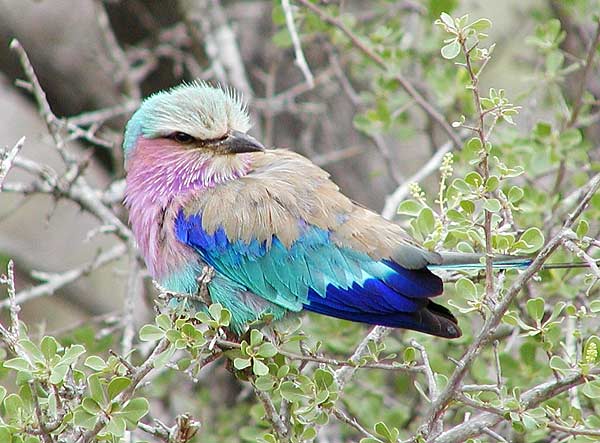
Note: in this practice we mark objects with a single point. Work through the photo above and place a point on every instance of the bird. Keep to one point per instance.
(278, 232)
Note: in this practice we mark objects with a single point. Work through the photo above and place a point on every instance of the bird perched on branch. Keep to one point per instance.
(278, 232)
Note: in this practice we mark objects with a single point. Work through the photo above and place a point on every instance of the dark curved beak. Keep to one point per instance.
(238, 143)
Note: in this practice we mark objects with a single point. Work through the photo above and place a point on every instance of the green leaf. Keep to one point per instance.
(215, 311)
(5, 434)
(116, 426)
(163, 322)
(323, 378)
(474, 179)
(530, 241)
(515, 194)
(151, 333)
(559, 364)
(383, 431)
(492, 205)
(241, 363)
(447, 19)
(481, 25)
(592, 389)
(72, 354)
(291, 392)
(409, 207)
(49, 346)
(18, 364)
(582, 228)
(410, 354)
(12, 405)
(451, 50)
(264, 383)
(95, 388)
(164, 357)
(535, 308)
(256, 337)
(267, 350)
(259, 368)
(91, 405)
(94, 362)
(84, 419)
(570, 138)
(474, 144)
(542, 130)
(466, 287)
(117, 385)
(134, 410)
(31, 350)
(426, 220)
(591, 350)
(468, 206)
(309, 434)
(492, 183)
(58, 373)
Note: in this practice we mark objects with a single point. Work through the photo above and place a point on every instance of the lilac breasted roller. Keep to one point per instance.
(278, 232)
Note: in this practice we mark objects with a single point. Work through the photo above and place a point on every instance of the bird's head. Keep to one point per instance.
(198, 117)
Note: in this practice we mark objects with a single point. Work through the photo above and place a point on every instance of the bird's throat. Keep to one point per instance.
(162, 177)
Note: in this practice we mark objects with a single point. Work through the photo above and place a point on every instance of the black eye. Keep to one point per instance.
(181, 137)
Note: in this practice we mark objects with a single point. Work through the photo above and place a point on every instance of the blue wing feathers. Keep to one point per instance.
(316, 274)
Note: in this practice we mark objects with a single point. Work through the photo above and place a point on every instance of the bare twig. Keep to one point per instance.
(56, 281)
(11, 334)
(123, 69)
(272, 415)
(395, 198)
(352, 421)
(376, 335)
(7, 157)
(586, 73)
(300, 59)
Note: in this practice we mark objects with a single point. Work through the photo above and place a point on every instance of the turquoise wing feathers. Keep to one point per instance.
(315, 273)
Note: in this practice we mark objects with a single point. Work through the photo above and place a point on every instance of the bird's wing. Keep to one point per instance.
(307, 246)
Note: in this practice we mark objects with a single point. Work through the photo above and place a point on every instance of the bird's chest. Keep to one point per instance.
(154, 229)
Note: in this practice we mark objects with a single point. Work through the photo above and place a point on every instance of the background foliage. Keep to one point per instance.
(474, 142)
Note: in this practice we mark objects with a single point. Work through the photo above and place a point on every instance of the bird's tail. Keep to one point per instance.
(456, 261)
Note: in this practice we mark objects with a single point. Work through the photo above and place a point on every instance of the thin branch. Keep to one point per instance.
(352, 421)
(589, 61)
(123, 69)
(300, 59)
(11, 334)
(272, 415)
(7, 157)
(395, 198)
(344, 374)
(57, 281)
(574, 431)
